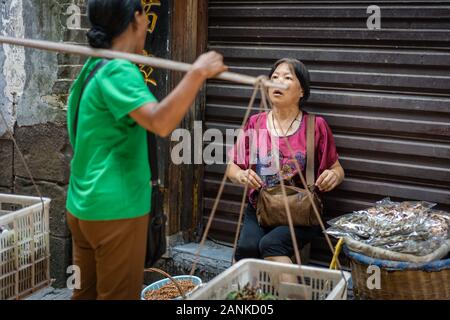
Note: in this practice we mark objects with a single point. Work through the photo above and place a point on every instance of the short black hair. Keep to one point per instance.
(301, 73)
(110, 18)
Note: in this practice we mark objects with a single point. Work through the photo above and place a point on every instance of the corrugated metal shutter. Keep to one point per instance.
(385, 93)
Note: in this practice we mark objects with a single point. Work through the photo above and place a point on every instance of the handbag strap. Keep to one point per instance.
(310, 132)
(88, 79)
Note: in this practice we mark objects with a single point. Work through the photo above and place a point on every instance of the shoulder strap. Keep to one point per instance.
(88, 79)
(310, 132)
(153, 157)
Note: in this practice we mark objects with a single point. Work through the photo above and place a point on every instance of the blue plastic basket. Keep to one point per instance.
(158, 284)
(432, 266)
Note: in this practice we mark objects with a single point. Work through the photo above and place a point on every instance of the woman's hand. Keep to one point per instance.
(328, 180)
(249, 176)
(209, 65)
(331, 178)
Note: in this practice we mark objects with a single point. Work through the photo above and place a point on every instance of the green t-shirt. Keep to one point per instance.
(110, 173)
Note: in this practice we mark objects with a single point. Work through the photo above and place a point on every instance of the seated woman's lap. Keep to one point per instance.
(278, 241)
(257, 242)
(251, 234)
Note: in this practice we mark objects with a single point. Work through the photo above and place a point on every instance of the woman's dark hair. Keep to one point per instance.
(302, 74)
(109, 18)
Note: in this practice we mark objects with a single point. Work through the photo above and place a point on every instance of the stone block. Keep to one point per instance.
(6, 163)
(60, 259)
(46, 150)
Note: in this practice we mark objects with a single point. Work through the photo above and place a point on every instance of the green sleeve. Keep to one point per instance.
(123, 88)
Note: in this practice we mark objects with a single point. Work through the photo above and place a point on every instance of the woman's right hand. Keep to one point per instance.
(249, 176)
(209, 65)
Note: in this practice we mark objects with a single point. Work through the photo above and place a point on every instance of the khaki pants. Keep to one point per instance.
(111, 257)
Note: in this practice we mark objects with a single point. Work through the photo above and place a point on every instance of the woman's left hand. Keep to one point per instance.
(327, 181)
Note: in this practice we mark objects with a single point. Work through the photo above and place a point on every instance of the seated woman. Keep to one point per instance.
(288, 117)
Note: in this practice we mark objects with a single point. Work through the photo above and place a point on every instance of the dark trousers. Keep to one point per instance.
(258, 242)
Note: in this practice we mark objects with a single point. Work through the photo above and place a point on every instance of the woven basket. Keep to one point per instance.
(400, 280)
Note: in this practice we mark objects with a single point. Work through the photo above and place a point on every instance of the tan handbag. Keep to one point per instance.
(270, 209)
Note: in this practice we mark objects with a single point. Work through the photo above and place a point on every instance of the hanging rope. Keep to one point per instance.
(264, 106)
(11, 135)
(259, 87)
(309, 194)
(286, 205)
(241, 214)
(224, 179)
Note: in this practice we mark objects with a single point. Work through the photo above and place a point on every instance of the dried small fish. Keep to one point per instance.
(169, 291)
(407, 227)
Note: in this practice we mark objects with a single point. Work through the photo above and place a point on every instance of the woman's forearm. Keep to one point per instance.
(162, 118)
(233, 171)
(337, 168)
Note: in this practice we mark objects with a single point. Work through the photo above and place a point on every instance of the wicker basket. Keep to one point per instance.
(324, 284)
(24, 246)
(400, 280)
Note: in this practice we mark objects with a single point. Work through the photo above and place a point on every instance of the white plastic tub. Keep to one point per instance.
(322, 284)
(24, 245)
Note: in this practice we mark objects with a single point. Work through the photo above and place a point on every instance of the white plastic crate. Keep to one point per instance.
(24, 245)
(324, 284)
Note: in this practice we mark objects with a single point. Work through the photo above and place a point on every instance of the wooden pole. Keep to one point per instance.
(136, 58)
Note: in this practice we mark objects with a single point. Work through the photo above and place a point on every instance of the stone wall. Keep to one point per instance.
(34, 87)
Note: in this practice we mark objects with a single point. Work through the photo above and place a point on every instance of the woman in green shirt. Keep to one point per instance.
(108, 199)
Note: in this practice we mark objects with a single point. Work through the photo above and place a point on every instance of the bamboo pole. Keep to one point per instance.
(136, 58)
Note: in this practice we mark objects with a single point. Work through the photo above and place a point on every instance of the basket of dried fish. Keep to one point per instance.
(399, 280)
(401, 231)
(406, 241)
